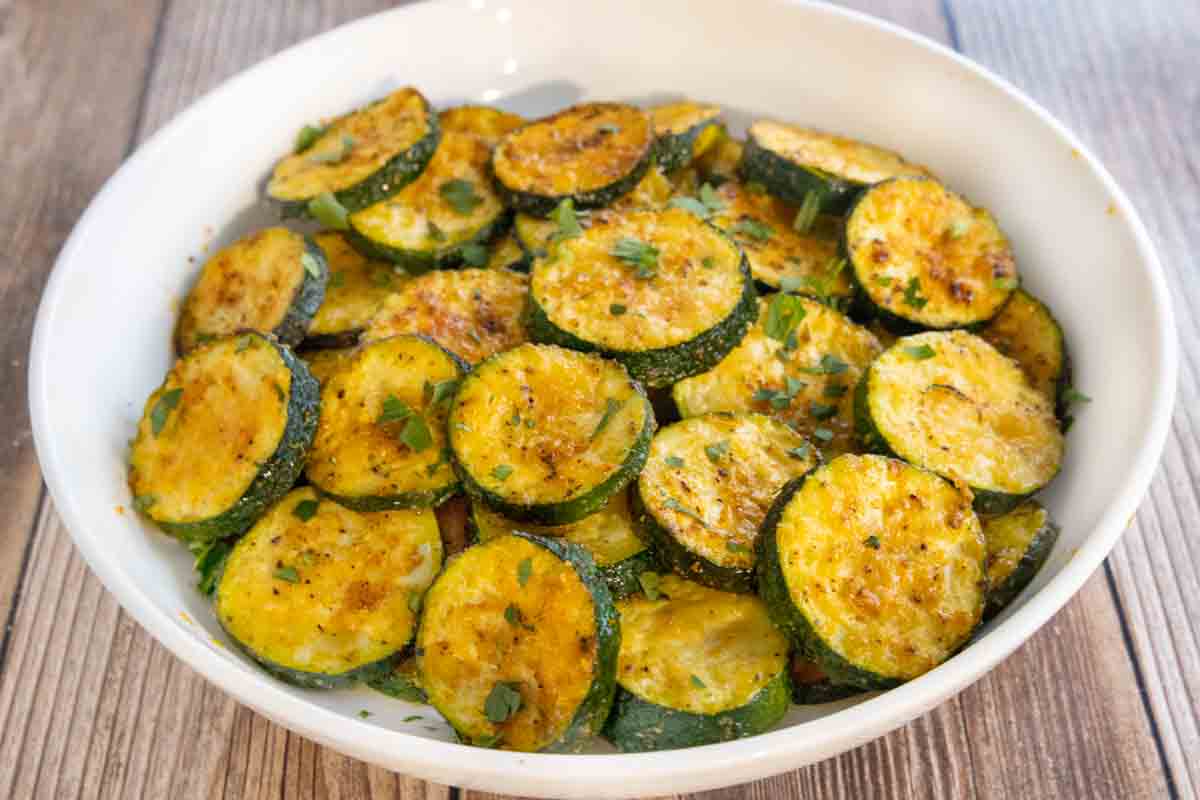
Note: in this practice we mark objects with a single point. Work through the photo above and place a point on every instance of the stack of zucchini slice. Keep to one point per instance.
(456, 490)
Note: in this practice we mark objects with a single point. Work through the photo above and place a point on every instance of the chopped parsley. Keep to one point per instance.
(828, 365)
(512, 615)
(308, 136)
(703, 206)
(474, 254)
(835, 390)
(166, 403)
(736, 547)
(801, 451)
(921, 352)
(822, 287)
(287, 573)
(807, 215)
(416, 434)
(616, 309)
(637, 254)
(143, 502)
(1072, 396)
(566, 219)
(326, 209)
(611, 407)
(784, 313)
(675, 462)
(717, 450)
(912, 294)
(823, 434)
(394, 410)
(821, 410)
(434, 232)
(675, 505)
(311, 265)
(460, 195)
(503, 701)
(501, 472)
(305, 510)
(872, 542)
(1006, 282)
(440, 392)
(345, 146)
(780, 398)
(883, 280)
(753, 229)
(958, 229)
(708, 262)
(208, 558)
(699, 684)
(364, 713)
(524, 571)
(412, 718)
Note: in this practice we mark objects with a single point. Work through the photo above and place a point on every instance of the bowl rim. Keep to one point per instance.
(579, 775)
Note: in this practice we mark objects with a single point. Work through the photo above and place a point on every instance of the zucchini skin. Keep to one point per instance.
(637, 725)
(999, 596)
(308, 299)
(417, 262)
(675, 151)
(280, 471)
(815, 694)
(792, 183)
(682, 561)
(663, 366)
(388, 180)
(316, 680)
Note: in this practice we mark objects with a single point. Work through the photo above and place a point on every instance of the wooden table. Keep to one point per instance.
(1102, 703)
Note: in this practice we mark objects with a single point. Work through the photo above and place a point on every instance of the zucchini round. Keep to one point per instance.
(706, 487)
(224, 437)
(636, 289)
(874, 568)
(324, 362)
(361, 158)
(543, 434)
(804, 374)
(592, 153)
(683, 131)
(473, 313)
(719, 163)
(697, 666)
(506, 253)
(608, 535)
(1028, 333)
(489, 125)
(951, 403)
(272, 281)
(1018, 543)
(924, 258)
(811, 686)
(357, 287)
(800, 164)
(322, 596)
(381, 442)
(518, 644)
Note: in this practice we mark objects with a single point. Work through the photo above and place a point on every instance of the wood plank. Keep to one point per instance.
(1123, 74)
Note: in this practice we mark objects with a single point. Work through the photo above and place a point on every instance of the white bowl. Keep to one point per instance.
(102, 339)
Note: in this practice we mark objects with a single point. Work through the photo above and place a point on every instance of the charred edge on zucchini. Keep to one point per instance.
(683, 131)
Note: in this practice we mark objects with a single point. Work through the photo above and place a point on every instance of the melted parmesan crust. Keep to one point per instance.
(834, 155)
(377, 133)
(537, 409)
(420, 217)
(608, 534)
(354, 455)
(1009, 537)
(581, 149)
(714, 507)
(1025, 331)
(357, 287)
(354, 574)
(692, 633)
(967, 413)
(581, 280)
(228, 421)
(761, 362)
(474, 313)
(248, 285)
(466, 645)
(916, 229)
(900, 608)
(489, 125)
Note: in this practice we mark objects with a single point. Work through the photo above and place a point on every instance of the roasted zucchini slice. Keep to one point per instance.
(608, 535)
(924, 258)
(382, 439)
(224, 436)
(322, 596)
(719, 163)
(706, 487)
(951, 403)
(361, 158)
(322, 363)
(684, 131)
(592, 153)
(802, 165)
(543, 434)
(473, 313)
(697, 666)
(489, 125)
(1018, 544)
(1028, 333)
(811, 686)
(662, 292)
(803, 260)
(506, 253)
(874, 568)
(442, 218)
(357, 287)
(272, 281)
(799, 363)
(518, 644)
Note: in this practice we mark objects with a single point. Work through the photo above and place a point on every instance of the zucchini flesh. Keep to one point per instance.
(361, 158)
(951, 403)
(321, 595)
(506, 253)
(796, 163)
(811, 686)
(271, 281)
(683, 131)
(591, 153)
(451, 206)
(323, 363)
(1028, 333)
(608, 535)
(544, 434)
(473, 313)
(925, 258)
(489, 125)
(224, 436)
(696, 666)
(706, 487)
(1018, 543)
(874, 568)
(719, 163)
(763, 227)
(680, 316)
(556, 648)
(381, 442)
(357, 287)
(759, 374)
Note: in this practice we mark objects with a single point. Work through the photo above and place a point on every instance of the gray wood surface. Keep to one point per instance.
(1101, 703)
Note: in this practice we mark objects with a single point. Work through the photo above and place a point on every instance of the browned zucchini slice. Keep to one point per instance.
(357, 287)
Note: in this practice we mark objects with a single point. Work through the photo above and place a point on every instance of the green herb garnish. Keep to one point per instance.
(912, 294)
(958, 229)
(754, 229)
(524, 571)
(675, 505)
(608, 127)
(512, 615)
(501, 472)
(286, 573)
(311, 265)
(883, 280)
(345, 146)
(326, 209)
(209, 556)
(920, 352)
(611, 407)
(807, 215)
(1071, 396)
(567, 220)
(1007, 282)
(305, 510)
(736, 547)
(434, 232)
(166, 403)
(823, 434)
(474, 254)
(872, 542)
(699, 684)
(460, 195)
(308, 136)
(440, 392)
(828, 365)
(143, 502)
(835, 390)
(708, 262)
(412, 718)
(703, 206)
(717, 450)
(416, 434)
(637, 254)
(801, 451)
(821, 410)
(394, 410)
(675, 462)
(616, 309)
(784, 313)
(503, 701)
